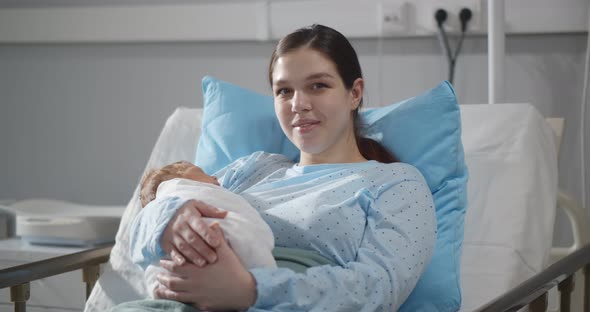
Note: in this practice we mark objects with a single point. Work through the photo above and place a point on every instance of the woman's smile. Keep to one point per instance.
(305, 125)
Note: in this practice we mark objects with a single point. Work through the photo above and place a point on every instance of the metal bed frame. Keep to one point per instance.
(532, 292)
(18, 278)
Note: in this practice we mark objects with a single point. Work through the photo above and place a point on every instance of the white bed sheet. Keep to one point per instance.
(509, 221)
(512, 162)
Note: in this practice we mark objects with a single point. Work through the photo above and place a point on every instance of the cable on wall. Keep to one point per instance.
(441, 16)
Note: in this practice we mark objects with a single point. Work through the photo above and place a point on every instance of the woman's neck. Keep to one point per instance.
(308, 159)
(345, 152)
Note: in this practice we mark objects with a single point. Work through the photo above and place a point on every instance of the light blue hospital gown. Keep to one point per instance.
(376, 221)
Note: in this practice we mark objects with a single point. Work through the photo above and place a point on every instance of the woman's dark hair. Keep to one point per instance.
(337, 48)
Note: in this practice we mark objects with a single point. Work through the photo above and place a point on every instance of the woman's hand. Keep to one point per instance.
(225, 285)
(188, 237)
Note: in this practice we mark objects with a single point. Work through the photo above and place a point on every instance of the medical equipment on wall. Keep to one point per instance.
(441, 17)
(53, 222)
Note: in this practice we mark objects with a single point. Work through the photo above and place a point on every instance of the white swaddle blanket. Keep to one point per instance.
(245, 231)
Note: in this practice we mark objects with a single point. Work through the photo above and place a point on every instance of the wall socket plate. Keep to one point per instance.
(393, 18)
(425, 21)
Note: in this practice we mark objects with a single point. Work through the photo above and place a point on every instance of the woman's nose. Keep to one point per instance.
(300, 102)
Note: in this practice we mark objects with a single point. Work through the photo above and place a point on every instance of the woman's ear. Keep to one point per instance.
(356, 92)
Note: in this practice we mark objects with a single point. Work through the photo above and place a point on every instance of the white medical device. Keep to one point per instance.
(53, 222)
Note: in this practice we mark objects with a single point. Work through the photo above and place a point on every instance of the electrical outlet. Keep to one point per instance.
(392, 18)
(427, 23)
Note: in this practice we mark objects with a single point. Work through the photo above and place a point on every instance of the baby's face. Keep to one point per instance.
(195, 173)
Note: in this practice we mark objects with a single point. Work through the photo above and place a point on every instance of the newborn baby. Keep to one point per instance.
(245, 231)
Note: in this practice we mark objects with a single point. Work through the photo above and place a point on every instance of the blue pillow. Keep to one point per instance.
(424, 131)
(236, 123)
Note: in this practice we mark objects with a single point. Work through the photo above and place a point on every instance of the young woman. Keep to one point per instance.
(347, 199)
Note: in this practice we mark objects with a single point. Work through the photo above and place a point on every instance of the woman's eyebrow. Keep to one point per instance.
(319, 75)
(280, 82)
(310, 77)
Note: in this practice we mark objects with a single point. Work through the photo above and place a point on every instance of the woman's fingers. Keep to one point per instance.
(216, 228)
(201, 227)
(209, 211)
(197, 244)
(170, 266)
(183, 270)
(174, 283)
(189, 238)
(177, 256)
(165, 293)
(187, 251)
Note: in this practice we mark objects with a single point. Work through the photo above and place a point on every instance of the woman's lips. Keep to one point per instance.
(306, 127)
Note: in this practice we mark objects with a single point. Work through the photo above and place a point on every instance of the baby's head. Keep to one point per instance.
(180, 169)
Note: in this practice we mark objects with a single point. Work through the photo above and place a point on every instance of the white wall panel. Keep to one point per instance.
(202, 22)
(355, 19)
(254, 20)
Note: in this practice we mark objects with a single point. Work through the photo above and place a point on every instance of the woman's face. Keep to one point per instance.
(312, 103)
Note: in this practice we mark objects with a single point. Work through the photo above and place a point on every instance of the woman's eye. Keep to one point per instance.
(316, 86)
(283, 91)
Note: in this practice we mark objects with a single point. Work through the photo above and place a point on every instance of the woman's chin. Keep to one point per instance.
(309, 148)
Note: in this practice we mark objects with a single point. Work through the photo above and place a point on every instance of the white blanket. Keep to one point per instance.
(245, 231)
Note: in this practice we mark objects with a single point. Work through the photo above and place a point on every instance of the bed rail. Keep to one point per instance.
(533, 292)
(18, 278)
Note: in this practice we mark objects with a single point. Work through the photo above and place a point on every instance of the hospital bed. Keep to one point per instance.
(511, 154)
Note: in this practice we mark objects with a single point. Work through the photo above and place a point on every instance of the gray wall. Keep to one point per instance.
(77, 122)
